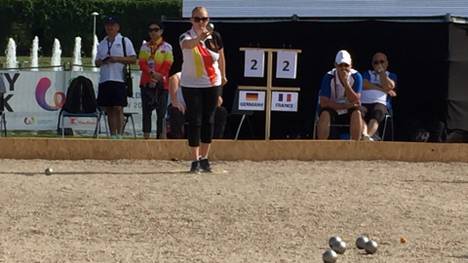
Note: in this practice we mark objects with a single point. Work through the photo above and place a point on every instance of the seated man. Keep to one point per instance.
(378, 83)
(339, 98)
(176, 112)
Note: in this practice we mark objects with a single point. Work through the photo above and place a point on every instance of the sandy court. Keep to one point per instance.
(277, 211)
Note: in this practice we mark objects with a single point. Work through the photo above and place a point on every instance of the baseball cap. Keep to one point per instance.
(111, 20)
(343, 56)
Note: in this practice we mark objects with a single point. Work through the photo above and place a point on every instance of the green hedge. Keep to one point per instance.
(67, 19)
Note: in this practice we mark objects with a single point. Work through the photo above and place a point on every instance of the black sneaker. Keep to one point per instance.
(205, 166)
(195, 168)
(376, 137)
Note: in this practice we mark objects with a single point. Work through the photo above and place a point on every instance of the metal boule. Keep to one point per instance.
(329, 256)
(371, 247)
(339, 247)
(48, 171)
(361, 242)
(333, 240)
(210, 27)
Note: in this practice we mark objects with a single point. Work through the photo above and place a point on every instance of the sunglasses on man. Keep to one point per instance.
(378, 62)
(198, 19)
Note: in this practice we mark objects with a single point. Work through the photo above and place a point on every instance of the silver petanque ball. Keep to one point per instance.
(371, 247)
(210, 27)
(333, 240)
(329, 256)
(48, 171)
(339, 247)
(361, 242)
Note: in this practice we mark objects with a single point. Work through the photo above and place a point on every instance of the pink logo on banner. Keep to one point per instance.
(41, 89)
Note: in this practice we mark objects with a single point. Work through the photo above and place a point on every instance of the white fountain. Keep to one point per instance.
(34, 54)
(94, 53)
(77, 55)
(11, 54)
(55, 60)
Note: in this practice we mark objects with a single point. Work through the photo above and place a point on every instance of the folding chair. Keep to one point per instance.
(388, 120)
(343, 136)
(81, 103)
(244, 113)
(98, 115)
(128, 116)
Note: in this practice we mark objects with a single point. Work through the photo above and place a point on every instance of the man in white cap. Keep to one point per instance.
(339, 98)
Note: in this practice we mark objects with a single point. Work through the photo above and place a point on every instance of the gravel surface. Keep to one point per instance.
(276, 211)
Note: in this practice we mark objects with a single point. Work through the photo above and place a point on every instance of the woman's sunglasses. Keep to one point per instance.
(154, 29)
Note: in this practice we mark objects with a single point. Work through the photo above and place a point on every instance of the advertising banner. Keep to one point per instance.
(33, 99)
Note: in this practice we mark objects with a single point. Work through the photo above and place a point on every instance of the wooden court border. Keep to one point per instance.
(229, 150)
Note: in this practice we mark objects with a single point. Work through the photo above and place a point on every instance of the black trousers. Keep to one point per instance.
(374, 111)
(153, 99)
(177, 123)
(200, 113)
(220, 122)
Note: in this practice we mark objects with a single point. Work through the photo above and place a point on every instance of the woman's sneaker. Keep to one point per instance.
(205, 166)
(366, 137)
(195, 168)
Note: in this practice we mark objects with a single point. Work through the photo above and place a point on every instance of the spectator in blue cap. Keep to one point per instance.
(112, 93)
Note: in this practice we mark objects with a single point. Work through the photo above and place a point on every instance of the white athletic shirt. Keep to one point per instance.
(369, 96)
(113, 71)
(195, 69)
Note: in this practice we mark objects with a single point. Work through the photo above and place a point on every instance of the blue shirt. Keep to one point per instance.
(332, 88)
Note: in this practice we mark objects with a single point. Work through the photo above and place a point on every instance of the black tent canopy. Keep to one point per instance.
(429, 55)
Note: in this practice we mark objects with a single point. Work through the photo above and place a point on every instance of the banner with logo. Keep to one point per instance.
(251, 100)
(33, 100)
(284, 101)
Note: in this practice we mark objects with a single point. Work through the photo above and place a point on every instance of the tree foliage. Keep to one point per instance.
(67, 19)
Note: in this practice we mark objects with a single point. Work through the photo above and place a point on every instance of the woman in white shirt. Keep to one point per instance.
(203, 75)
